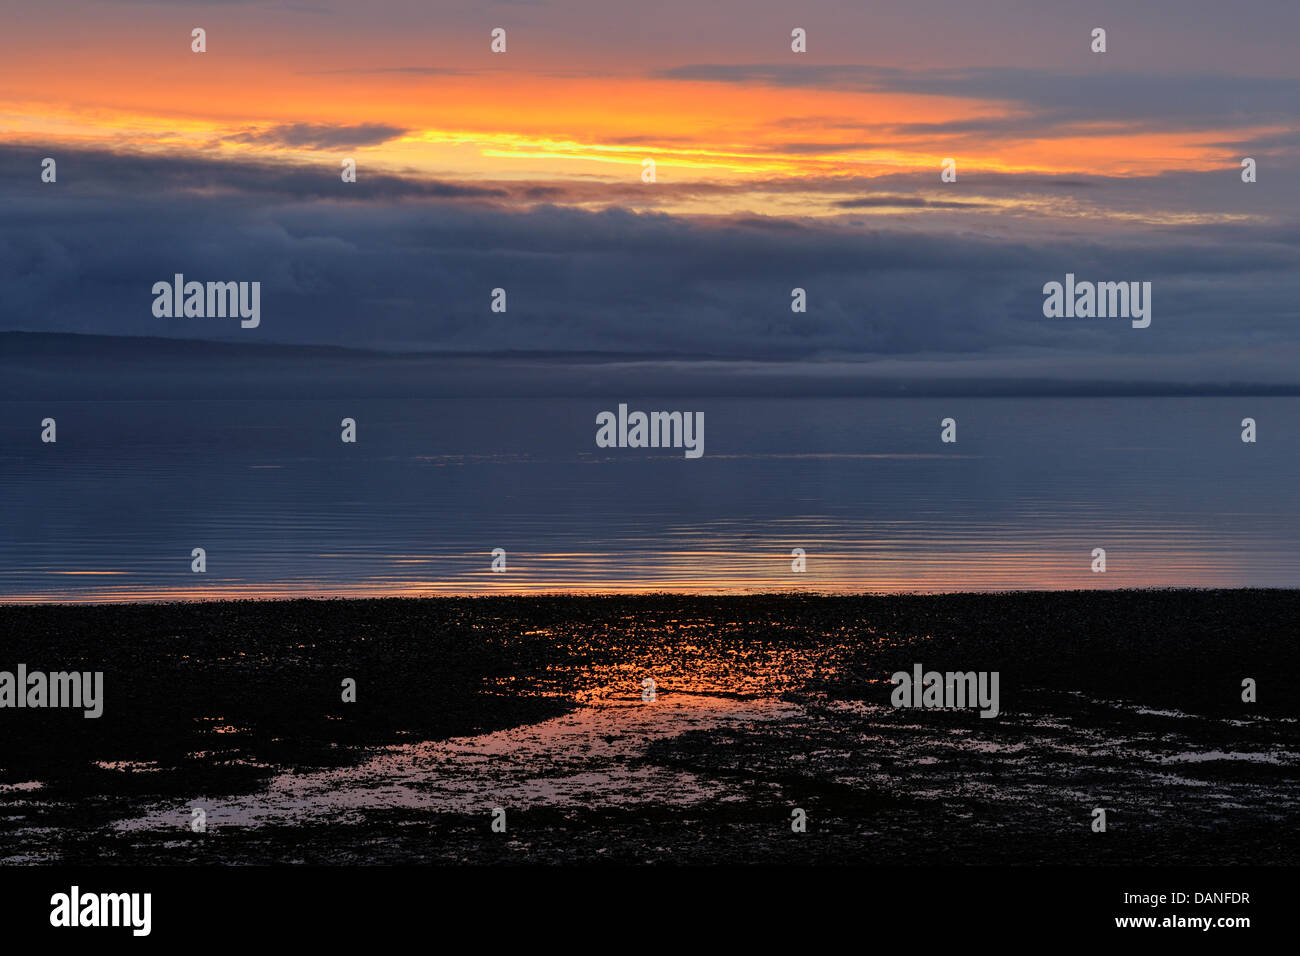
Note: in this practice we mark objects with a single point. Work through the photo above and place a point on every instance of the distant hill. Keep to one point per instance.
(66, 366)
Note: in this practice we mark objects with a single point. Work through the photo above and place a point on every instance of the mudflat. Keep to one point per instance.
(669, 728)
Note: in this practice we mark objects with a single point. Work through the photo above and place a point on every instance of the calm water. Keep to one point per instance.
(864, 486)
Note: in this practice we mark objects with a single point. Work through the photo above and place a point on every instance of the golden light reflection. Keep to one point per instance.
(710, 571)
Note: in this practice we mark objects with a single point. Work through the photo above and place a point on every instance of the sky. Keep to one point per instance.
(526, 171)
(774, 170)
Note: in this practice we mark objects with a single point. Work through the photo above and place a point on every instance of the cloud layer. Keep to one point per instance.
(397, 263)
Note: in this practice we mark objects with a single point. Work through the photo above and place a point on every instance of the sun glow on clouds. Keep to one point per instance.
(535, 127)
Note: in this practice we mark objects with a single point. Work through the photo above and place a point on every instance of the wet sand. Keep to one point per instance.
(1129, 701)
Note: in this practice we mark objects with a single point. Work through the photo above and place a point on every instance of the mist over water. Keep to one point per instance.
(112, 511)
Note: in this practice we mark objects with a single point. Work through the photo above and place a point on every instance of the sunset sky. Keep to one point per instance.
(774, 170)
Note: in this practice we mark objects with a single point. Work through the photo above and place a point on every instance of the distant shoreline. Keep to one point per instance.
(72, 367)
(648, 595)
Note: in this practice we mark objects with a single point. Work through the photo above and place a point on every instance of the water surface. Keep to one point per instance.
(284, 508)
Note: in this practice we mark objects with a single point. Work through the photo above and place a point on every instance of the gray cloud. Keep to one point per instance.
(916, 202)
(319, 136)
(413, 265)
(1169, 101)
(100, 174)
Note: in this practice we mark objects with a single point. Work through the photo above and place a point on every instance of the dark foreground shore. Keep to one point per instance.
(1126, 701)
